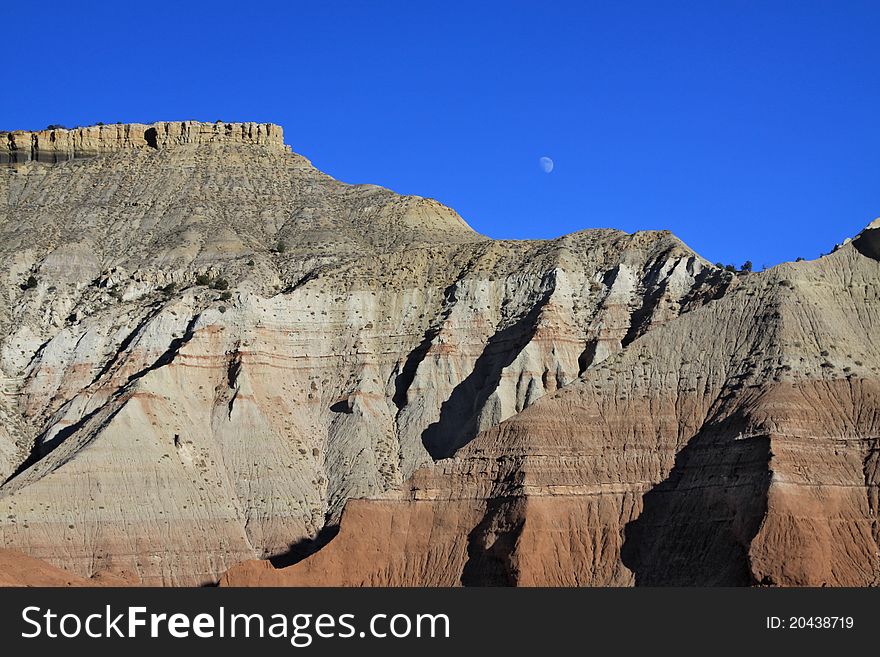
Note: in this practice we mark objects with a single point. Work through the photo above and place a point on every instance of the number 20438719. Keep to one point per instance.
(810, 623)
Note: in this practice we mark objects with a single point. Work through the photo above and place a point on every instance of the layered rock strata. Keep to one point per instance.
(734, 445)
(209, 347)
(55, 145)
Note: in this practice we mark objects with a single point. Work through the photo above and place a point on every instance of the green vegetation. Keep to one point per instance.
(747, 267)
(218, 283)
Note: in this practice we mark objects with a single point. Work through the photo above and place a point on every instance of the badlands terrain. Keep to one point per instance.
(221, 365)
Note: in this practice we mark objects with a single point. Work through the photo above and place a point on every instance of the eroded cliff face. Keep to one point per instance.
(61, 144)
(209, 347)
(213, 353)
(734, 445)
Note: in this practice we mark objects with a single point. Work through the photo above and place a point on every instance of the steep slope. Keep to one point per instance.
(735, 445)
(209, 346)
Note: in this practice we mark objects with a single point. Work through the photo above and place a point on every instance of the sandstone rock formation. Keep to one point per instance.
(735, 445)
(60, 145)
(209, 346)
(19, 570)
(213, 353)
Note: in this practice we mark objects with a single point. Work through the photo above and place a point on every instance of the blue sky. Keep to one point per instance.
(750, 129)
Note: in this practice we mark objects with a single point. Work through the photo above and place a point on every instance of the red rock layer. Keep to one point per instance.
(19, 570)
(736, 445)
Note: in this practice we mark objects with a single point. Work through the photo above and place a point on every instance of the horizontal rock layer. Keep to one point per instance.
(213, 353)
(210, 348)
(19, 570)
(735, 445)
(60, 145)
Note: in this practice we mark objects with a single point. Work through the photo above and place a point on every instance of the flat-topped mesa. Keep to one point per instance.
(61, 145)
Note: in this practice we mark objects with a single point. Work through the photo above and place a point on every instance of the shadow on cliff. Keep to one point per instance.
(708, 284)
(305, 547)
(868, 243)
(407, 375)
(696, 526)
(459, 419)
(492, 543)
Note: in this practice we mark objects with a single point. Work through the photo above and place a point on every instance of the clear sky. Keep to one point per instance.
(751, 129)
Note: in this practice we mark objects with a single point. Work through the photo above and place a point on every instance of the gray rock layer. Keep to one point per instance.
(208, 346)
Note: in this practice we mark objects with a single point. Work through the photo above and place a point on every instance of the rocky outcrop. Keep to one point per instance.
(211, 348)
(735, 445)
(60, 144)
(214, 354)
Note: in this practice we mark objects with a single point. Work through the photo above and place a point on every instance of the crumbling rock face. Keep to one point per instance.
(734, 445)
(60, 145)
(209, 347)
(214, 354)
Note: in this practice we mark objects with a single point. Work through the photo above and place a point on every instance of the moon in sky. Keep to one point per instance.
(546, 164)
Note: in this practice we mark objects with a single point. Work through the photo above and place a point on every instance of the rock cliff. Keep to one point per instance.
(60, 144)
(213, 353)
(735, 445)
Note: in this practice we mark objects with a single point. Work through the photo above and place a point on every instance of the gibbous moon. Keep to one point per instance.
(546, 164)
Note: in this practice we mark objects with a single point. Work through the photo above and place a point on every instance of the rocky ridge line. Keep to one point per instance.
(735, 445)
(60, 144)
